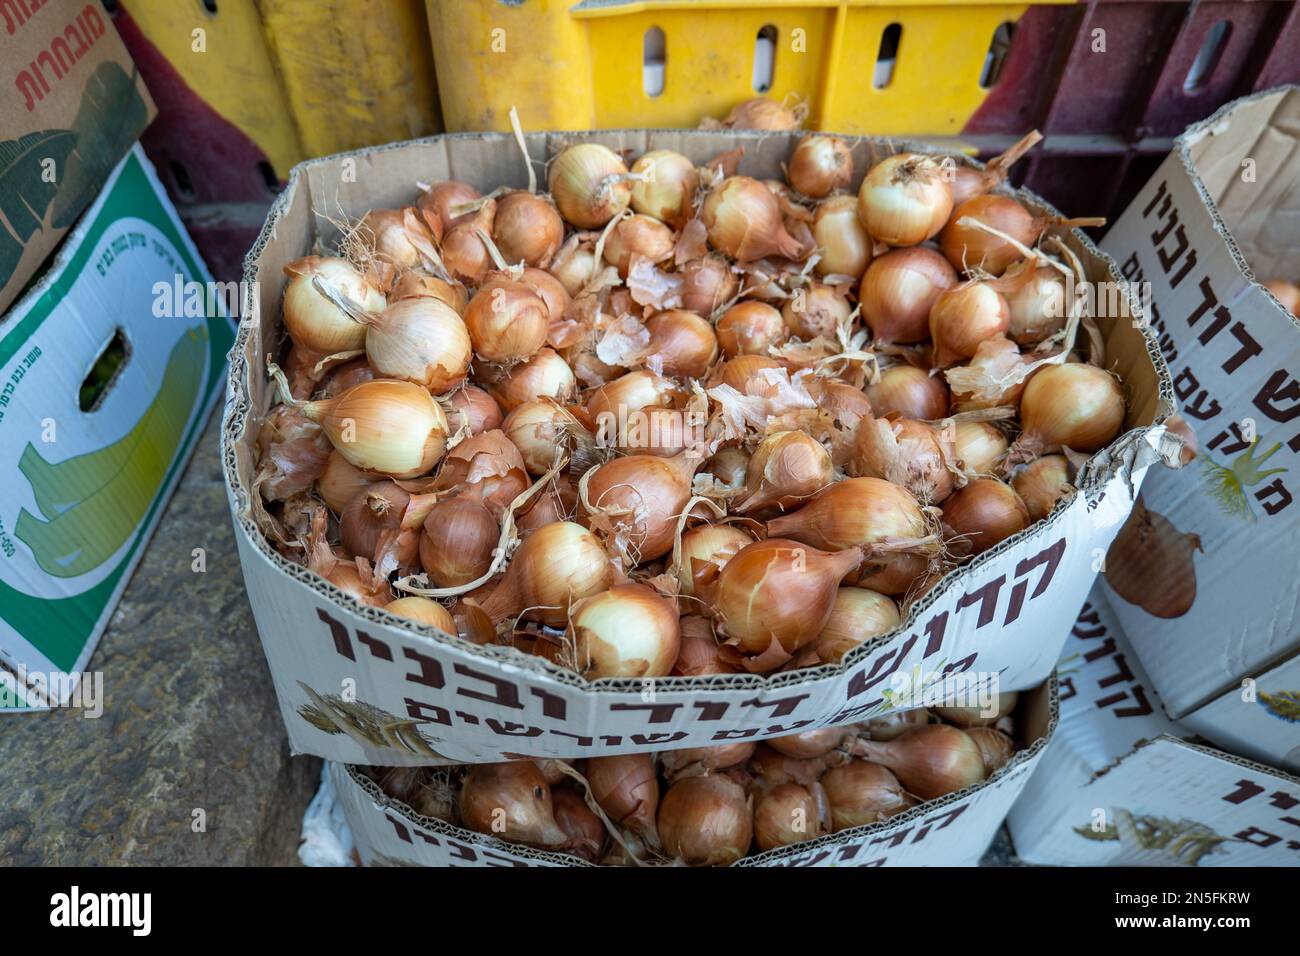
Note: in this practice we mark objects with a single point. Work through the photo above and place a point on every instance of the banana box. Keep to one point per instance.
(108, 368)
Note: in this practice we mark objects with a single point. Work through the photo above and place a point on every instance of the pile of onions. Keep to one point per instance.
(682, 418)
(716, 805)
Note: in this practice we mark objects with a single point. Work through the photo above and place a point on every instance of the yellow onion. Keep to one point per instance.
(527, 229)
(909, 392)
(785, 815)
(473, 409)
(457, 541)
(841, 239)
(1075, 406)
(415, 285)
(895, 723)
(629, 393)
(894, 574)
(627, 790)
(511, 801)
(906, 452)
(857, 615)
(544, 375)
(810, 743)
(368, 514)
(729, 465)
(786, 468)
(929, 761)
(401, 238)
(384, 427)
(853, 512)
(707, 285)
(420, 340)
(638, 235)
(1042, 483)
(761, 113)
(817, 310)
(681, 343)
(463, 252)
(556, 502)
(862, 793)
(969, 247)
(778, 592)
(963, 317)
(540, 429)
(847, 407)
(969, 182)
(639, 498)
(986, 512)
(750, 328)
(424, 611)
(744, 221)
(745, 373)
(487, 467)
(819, 165)
(701, 654)
(589, 184)
(583, 828)
(343, 377)
(1037, 308)
(663, 432)
(575, 268)
(899, 289)
(995, 747)
(693, 761)
(313, 321)
(441, 198)
(341, 481)
(627, 631)
(548, 288)
(557, 564)
(666, 186)
(978, 447)
(507, 322)
(709, 544)
(705, 821)
(994, 376)
(967, 717)
(904, 199)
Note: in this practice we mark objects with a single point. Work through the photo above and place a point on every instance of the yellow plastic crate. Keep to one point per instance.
(569, 65)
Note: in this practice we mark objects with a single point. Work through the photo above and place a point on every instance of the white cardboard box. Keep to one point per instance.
(418, 697)
(1222, 210)
(84, 488)
(954, 830)
(1121, 785)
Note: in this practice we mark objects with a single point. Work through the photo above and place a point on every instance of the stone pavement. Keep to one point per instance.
(190, 721)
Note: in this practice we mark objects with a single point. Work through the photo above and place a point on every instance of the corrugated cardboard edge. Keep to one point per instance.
(1047, 694)
(1132, 449)
(1217, 124)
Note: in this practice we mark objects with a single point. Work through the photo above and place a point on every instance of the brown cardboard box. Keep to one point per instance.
(75, 105)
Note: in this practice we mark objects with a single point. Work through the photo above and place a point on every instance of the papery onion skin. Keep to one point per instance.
(750, 328)
(1042, 483)
(315, 323)
(540, 429)
(457, 541)
(627, 789)
(817, 311)
(898, 290)
(442, 197)
(424, 611)
(511, 801)
(819, 165)
(909, 392)
(986, 512)
(995, 747)
(710, 543)
(696, 760)
(557, 564)
(527, 229)
(969, 247)
(707, 285)
(810, 743)
(904, 199)
(370, 512)
(627, 631)
(843, 242)
(667, 189)
(862, 793)
(895, 574)
(1074, 405)
(779, 591)
(384, 427)
(857, 615)
(583, 828)
(786, 468)
(643, 496)
(590, 185)
(705, 821)
(641, 236)
(906, 452)
(729, 465)
(853, 512)
(744, 221)
(785, 815)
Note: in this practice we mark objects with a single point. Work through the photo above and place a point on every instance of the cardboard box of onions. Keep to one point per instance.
(917, 788)
(662, 452)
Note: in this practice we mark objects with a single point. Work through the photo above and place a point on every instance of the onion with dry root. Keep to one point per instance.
(905, 199)
(1074, 405)
(786, 468)
(638, 499)
(819, 165)
(590, 185)
(852, 513)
